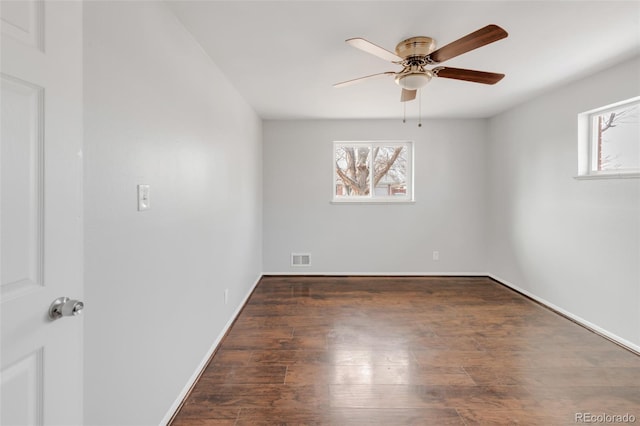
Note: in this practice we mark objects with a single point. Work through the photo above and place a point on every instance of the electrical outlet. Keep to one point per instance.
(436, 255)
(226, 296)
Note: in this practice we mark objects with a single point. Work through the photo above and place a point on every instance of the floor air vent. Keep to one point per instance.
(300, 259)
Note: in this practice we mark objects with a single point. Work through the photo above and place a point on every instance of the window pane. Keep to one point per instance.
(617, 138)
(390, 170)
(352, 171)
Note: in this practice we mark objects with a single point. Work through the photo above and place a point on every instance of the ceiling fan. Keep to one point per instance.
(416, 53)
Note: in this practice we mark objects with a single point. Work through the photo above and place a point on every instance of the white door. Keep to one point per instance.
(40, 210)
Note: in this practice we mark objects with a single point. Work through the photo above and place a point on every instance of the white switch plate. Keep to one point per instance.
(144, 200)
(436, 255)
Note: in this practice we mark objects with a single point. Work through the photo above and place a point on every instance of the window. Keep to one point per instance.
(380, 171)
(610, 140)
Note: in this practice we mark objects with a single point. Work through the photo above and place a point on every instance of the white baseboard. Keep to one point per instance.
(198, 371)
(303, 271)
(593, 327)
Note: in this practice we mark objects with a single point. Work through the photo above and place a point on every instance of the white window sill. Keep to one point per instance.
(633, 175)
(370, 201)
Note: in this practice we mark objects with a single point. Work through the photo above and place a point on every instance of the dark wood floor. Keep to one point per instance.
(394, 351)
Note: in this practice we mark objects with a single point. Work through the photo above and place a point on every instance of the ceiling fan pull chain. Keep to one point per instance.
(404, 112)
(419, 107)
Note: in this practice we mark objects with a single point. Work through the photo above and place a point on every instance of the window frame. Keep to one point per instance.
(372, 198)
(587, 145)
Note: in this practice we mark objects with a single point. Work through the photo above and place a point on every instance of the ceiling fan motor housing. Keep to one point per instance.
(415, 46)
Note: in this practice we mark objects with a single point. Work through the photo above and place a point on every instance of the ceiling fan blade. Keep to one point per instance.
(374, 49)
(408, 95)
(357, 80)
(472, 41)
(468, 75)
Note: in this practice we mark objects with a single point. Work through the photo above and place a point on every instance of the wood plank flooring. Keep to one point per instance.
(396, 351)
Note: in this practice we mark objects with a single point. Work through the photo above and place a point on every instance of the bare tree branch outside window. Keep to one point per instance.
(618, 138)
(363, 168)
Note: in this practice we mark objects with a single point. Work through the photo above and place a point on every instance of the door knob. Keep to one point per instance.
(65, 307)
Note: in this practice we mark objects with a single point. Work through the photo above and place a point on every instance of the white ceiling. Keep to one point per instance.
(284, 56)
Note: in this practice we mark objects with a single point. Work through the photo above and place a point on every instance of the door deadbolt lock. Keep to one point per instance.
(65, 307)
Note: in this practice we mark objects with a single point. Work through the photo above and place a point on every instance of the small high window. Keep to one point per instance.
(379, 171)
(610, 140)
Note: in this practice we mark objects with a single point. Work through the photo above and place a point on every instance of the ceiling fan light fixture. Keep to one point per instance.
(413, 81)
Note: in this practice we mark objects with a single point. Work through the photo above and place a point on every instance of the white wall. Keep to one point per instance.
(159, 112)
(573, 243)
(448, 215)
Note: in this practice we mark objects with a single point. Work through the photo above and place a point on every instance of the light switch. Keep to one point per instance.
(144, 202)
